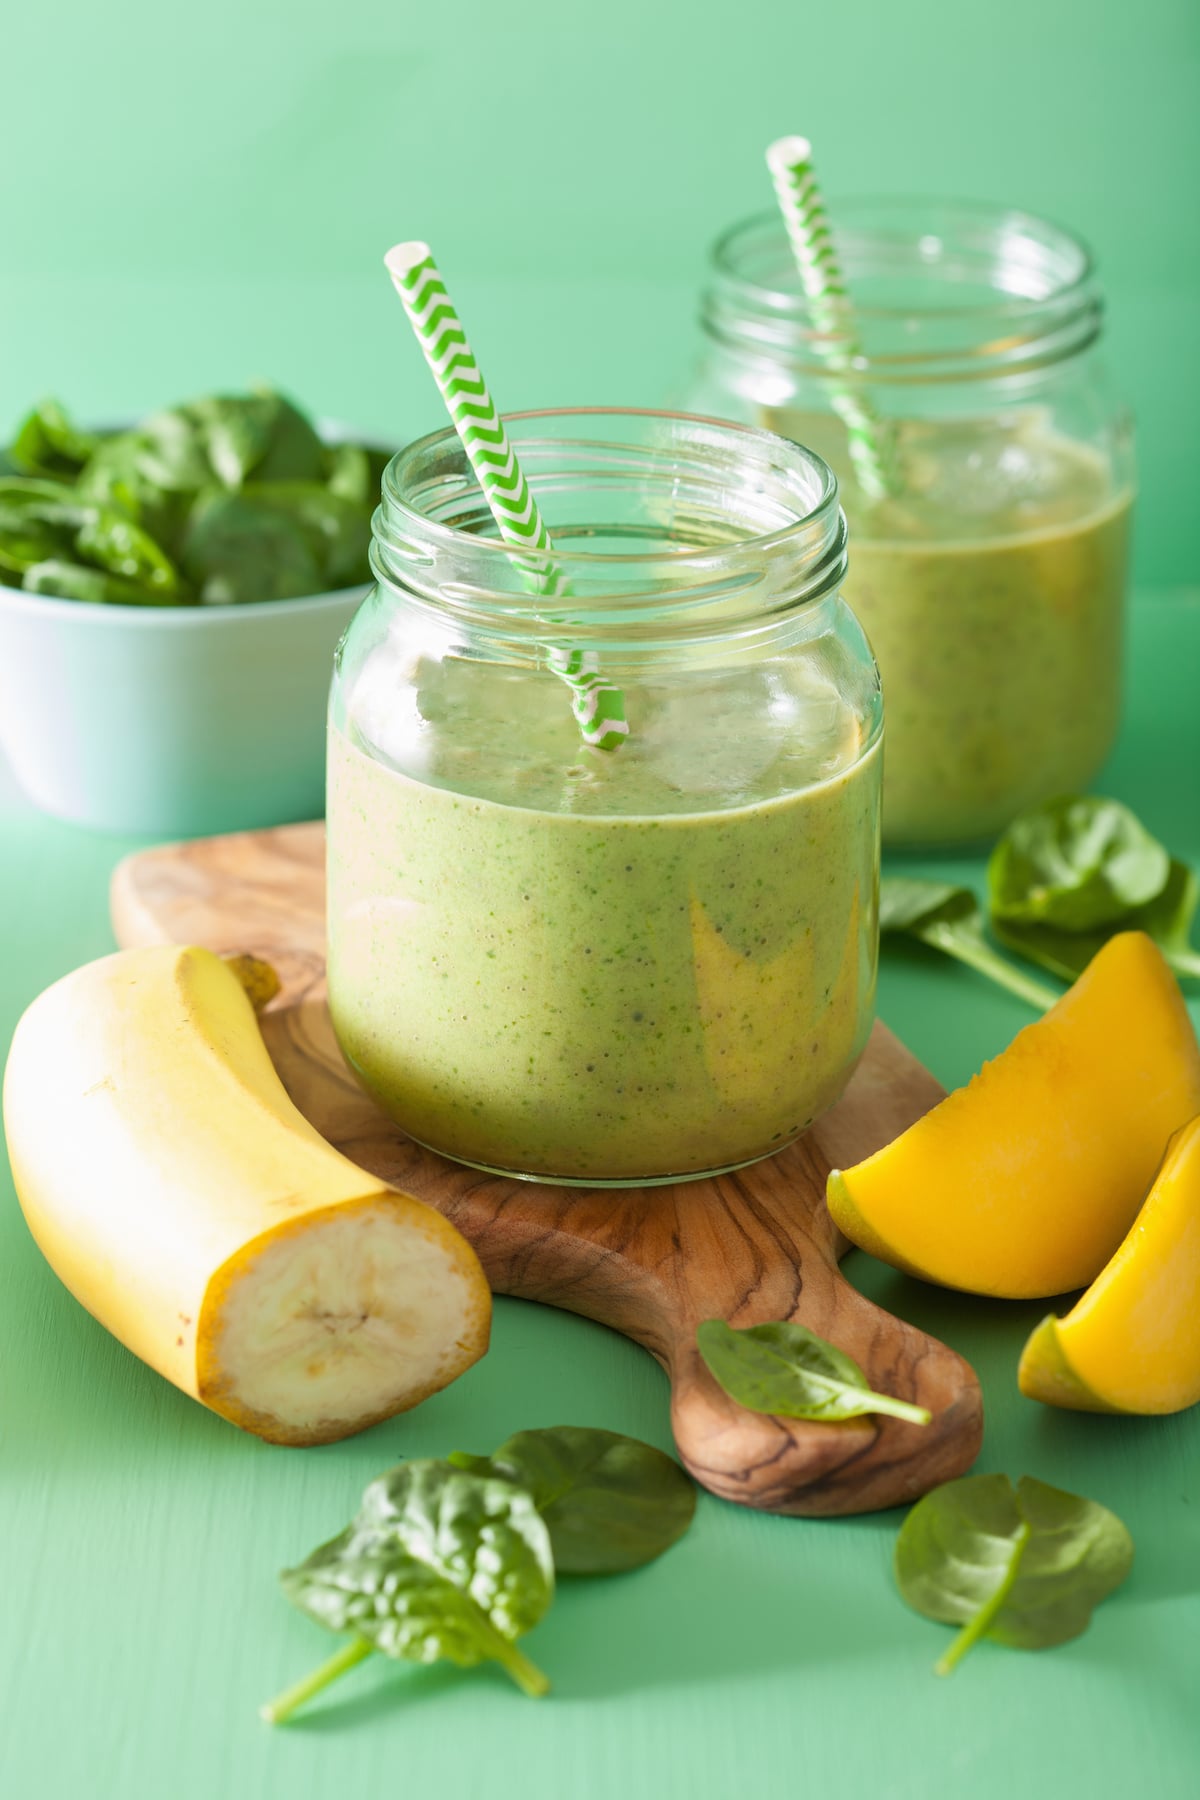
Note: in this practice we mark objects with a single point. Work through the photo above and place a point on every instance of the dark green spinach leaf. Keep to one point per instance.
(49, 443)
(238, 550)
(1024, 1567)
(1167, 919)
(438, 1565)
(236, 430)
(789, 1371)
(32, 528)
(294, 451)
(349, 473)
(338, 531)
(355, 471)
(124, 473)
(170, 450)
(111, 540)
(1075, 863)
(948, 919)
(610, 1502)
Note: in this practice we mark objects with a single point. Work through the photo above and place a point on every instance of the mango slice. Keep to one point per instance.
(1131, 1344)
(1023, 1183)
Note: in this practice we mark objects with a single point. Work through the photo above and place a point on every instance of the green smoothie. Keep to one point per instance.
(992, 590)
(656, 963)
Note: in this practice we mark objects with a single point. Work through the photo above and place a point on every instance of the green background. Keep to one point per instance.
(196, 198)
(200, 196)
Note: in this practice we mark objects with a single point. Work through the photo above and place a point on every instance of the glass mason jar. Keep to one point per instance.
(991, 582)
(606, 966)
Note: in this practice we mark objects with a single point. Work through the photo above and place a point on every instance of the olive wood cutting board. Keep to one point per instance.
(650, 1262)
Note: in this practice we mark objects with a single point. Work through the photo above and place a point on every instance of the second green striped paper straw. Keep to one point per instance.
(872, 451)
(598, 706)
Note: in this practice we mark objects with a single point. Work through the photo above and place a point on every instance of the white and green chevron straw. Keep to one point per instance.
(598, 706)
(872, 451)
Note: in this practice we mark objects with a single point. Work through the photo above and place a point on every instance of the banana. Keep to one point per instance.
(181, 1197)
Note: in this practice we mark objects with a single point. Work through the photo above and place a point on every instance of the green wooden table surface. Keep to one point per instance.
(140, 1624)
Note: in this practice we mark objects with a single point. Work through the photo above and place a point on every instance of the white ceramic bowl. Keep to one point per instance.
(169, 720)
(175, 721)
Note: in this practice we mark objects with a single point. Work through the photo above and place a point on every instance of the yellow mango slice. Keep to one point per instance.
(1131, 1344)
(1023, 1183)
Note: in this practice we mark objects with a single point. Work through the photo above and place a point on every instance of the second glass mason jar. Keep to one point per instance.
(606, 966)
(991, 582)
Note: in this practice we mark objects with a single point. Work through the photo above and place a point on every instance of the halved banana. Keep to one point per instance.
(179, 1194)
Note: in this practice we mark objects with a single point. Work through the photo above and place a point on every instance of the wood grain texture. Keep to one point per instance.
(651, 1263)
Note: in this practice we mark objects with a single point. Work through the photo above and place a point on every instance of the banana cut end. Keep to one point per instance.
(337, 1320)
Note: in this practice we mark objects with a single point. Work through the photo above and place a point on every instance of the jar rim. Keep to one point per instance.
(675, 557)
(982, 212)
(731, 527)
(1033, 297)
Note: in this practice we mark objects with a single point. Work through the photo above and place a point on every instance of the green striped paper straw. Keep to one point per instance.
(598, 706)
(872, 451)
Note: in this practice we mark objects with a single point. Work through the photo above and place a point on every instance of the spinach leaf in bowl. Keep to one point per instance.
(30, 531)
(127, 472)
(338, 531)
(237, 550)
(258, 436)
(226, 499)
(76, 581)
(48, 442)
(68, 528)
(355, 471)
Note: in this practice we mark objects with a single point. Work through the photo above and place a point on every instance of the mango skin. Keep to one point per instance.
(1022, 1184)
(1045, 1373)
(1131, 1343)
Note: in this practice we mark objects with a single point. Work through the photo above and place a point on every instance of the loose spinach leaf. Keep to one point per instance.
(1024, 1567)
(438, 1565)
(948, 919)
(75, 581)
(610, 1502)
(1075, 863)
(1167, 919)
(236, 550)
(49, 443)
(788, 1370)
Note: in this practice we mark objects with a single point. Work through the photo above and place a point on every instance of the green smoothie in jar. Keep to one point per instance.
(608, 967)
(991, 577)
(992, 589)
